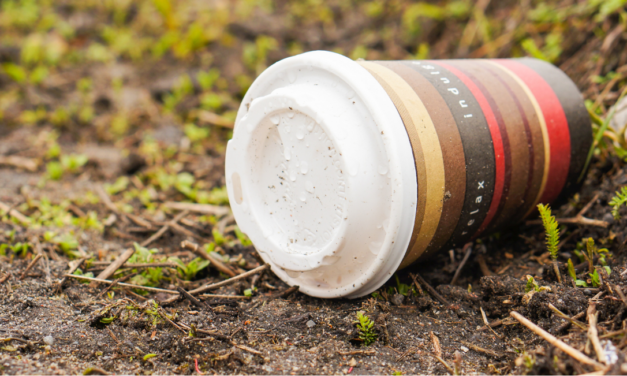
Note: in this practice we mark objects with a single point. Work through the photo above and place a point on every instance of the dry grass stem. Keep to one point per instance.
(576, 354)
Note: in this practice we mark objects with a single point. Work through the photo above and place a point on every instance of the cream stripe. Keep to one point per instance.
(432, 153)
(545, 133)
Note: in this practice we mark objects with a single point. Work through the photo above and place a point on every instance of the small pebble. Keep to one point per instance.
(464, 348)
(352, 362)
(49, 340)
(398, 299)
(311, 324)
(609, 218)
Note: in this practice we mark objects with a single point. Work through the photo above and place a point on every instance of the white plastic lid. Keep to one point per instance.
(321, 176)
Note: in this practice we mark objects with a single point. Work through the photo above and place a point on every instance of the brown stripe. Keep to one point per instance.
(452, 150)
(514, 139)
(533, 133)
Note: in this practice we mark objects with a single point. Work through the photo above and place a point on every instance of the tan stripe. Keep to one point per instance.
(545, 134)
(452, 150)
(414, 114)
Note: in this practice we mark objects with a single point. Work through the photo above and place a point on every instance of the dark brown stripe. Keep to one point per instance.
(512, 133)
(473, 129)
(452, 150)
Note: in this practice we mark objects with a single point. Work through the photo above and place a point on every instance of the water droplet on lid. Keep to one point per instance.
(303, 196)
(383, 170)
(352, 167)
(292, 176)
(290, 114)
(300, 135)
(291, 76)
(330, 260)
(309, 186)
(275, 119)
(304, 167)
(375, 247)
(287, 154)
(292, 273)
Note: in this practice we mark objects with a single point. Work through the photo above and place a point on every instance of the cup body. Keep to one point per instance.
(341, 172)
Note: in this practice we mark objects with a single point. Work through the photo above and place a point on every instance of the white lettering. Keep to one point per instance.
(453, 90)
(471, 222)
(478, 199)
(481, 185)
(463, 103)
(445, 80)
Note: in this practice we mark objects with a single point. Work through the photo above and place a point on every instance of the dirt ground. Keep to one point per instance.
(93, 155)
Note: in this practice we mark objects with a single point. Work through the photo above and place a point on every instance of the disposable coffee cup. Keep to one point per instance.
(342, 172)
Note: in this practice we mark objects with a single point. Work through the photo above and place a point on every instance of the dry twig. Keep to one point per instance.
(155, 289)
(579, 219)
(163, 229)
(5, 278)
(30, 266)
(214, 286)
(576, 354)
(568, 318)
(27, 164)
(431, 290)
(14, 213)
(481, 349)
(437, 349)
(74, 265)
(213, 261)
(115, 265)
(217, 296)
(198, 208)
(593, 333)
(191, 299)
(468, 251)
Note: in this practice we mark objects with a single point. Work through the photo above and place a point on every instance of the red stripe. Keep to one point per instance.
(556, 124)
(499, 155)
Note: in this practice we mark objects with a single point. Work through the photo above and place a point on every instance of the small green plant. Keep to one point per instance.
(617, 201)
(573, 275)
(73, 162)
(190, 270)
(68, 244)
(602, 254)
(20, 248)
(595, 278)
(148, 356)
(243, 238)
(531, 285)
(552, 236)
(402, 288)
(217, 236)
(107, 320)
(366, 329)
